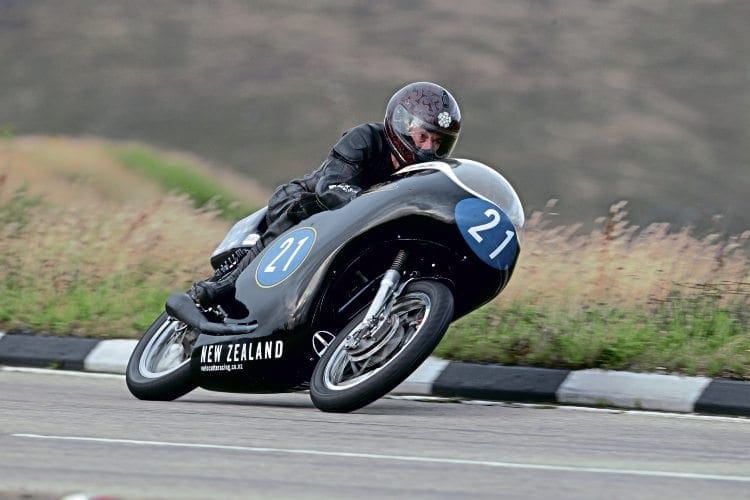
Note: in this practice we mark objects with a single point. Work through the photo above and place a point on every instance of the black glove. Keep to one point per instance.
(303, 207)
(336, 195)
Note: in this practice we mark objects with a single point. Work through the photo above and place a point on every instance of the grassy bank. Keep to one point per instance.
(94, 235)
(176, 176)
(685, 334)
(79, 255)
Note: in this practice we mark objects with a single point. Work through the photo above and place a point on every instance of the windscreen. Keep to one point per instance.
(481, 181)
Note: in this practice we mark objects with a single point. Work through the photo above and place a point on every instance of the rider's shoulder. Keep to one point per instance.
(365, 130)
(363, 136)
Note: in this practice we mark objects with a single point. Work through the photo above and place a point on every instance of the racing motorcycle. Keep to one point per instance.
(347, 303)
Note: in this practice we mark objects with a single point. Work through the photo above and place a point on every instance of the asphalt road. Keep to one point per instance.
(63, 433)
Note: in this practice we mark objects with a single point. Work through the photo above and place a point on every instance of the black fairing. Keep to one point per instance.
(353, 246)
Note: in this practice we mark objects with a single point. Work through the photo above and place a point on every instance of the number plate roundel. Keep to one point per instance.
(285, 256)
(488, 232)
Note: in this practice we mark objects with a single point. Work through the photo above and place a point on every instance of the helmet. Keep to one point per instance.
(425, 106)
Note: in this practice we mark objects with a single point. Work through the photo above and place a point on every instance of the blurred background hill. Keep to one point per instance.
(586, 101)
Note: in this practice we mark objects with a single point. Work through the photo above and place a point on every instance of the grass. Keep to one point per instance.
(174, 175)
(89, 248)
(78, 258)
(93, 273)
(691, 335)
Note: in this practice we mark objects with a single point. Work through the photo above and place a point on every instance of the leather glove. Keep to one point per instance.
(303, 207)
(336, 195)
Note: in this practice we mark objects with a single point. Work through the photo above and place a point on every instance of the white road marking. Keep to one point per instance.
(663, 414)
(401, 458)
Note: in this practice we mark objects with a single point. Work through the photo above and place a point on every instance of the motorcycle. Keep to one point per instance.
(347, 303)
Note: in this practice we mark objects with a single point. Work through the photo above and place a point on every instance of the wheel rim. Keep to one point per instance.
(167, 351)
(409, 313)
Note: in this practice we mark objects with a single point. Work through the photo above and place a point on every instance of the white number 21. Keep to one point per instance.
(286, 245)
(494, 221)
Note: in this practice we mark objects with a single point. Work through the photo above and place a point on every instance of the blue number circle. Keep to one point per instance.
(285, 256)
(488, 232)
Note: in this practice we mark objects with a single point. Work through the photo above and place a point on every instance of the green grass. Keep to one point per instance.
(114, 307)
(16, 210)
(173, 175)
(49, 286)
(690, 335)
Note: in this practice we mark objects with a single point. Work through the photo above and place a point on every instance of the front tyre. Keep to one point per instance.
(159, 368)
(345, 380)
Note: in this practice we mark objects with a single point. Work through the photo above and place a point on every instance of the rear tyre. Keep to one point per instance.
(345, 380)
(159, 368)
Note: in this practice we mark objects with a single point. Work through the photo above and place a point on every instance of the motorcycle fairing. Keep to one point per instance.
(417, 206)
(417, 210)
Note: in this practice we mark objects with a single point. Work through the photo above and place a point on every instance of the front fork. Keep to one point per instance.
(381, 305)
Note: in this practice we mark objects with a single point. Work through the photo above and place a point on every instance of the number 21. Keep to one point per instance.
(494, 221)
(286, 245)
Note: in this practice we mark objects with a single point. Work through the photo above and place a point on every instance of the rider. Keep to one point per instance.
(422, 123)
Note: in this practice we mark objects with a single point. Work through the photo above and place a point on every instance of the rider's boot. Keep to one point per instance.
(208, 293)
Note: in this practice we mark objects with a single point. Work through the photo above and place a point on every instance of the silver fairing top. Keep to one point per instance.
(478, 180)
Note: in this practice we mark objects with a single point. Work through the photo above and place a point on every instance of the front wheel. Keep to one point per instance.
(159, 368)
(346, 378)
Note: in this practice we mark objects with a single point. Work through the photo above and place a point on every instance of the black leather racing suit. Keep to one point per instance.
(360, 159)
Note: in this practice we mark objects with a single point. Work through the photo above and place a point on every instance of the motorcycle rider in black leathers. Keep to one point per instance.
(422, 123)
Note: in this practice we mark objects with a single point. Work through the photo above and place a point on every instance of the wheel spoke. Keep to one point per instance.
(365, 365)
(409, 312)
(167, 350)
(353, 366)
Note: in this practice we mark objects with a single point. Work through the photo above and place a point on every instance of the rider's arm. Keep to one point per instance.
(340, 176)
(342, 172)
(334, 189)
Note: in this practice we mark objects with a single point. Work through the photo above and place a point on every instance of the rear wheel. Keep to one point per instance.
(159, 368)
(347, 378)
